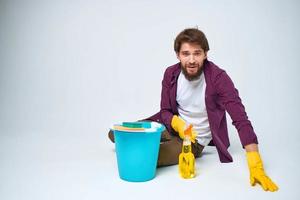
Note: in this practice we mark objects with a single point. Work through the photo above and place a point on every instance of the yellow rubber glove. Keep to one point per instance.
(257, 173)
(179, 126)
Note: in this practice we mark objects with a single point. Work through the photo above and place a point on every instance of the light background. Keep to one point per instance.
(70, 69)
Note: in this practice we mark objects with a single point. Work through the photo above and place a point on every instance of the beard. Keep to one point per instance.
(193, 76)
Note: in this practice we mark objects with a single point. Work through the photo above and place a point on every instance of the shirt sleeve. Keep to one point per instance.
(165, 104)
(229, 97)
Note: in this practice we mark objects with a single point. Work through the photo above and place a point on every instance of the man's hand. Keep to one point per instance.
(179, 126)
(257, 173)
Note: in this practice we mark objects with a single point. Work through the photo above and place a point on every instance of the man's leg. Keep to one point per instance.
(169, 151)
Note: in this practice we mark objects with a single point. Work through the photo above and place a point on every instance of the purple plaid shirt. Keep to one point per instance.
(220, 96)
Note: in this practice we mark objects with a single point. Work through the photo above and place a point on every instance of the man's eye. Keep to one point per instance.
(197, 54)
(185, 54)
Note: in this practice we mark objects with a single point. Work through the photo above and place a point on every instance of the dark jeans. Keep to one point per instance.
(170, 148)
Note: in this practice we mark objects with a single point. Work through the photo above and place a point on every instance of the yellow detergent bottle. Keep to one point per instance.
(186, 157)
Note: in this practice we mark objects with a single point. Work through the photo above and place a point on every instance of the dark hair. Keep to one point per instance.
(191, 35)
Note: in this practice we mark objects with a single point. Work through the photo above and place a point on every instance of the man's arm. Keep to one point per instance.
(251, 147)
(165, 103)
(173, 122)
(228, 95)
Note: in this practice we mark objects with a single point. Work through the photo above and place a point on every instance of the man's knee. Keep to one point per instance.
(111, 136)
(169, 152)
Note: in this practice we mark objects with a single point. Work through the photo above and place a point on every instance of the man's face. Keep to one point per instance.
(191, 57)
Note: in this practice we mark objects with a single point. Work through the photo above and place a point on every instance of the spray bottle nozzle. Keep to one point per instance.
(188, 131)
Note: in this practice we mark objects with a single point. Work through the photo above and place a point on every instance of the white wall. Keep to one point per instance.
(83, 65)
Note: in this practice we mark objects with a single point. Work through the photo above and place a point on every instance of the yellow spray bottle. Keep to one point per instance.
(186, 157)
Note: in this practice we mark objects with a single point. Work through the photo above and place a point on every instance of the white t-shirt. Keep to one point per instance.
(191, 106)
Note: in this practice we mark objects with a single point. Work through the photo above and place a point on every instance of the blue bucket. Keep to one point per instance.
(137, 152)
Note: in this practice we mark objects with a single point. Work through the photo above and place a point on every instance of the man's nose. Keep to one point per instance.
(192, 59)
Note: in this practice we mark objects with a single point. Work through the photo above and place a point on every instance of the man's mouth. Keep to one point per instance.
(192, 68)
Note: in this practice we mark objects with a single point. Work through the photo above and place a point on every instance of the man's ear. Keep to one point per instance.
(177, 55)
(205, 53)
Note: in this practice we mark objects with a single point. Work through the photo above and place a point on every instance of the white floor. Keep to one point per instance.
(82, 165)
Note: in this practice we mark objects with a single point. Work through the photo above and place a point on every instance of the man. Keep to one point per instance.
(196, 91)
